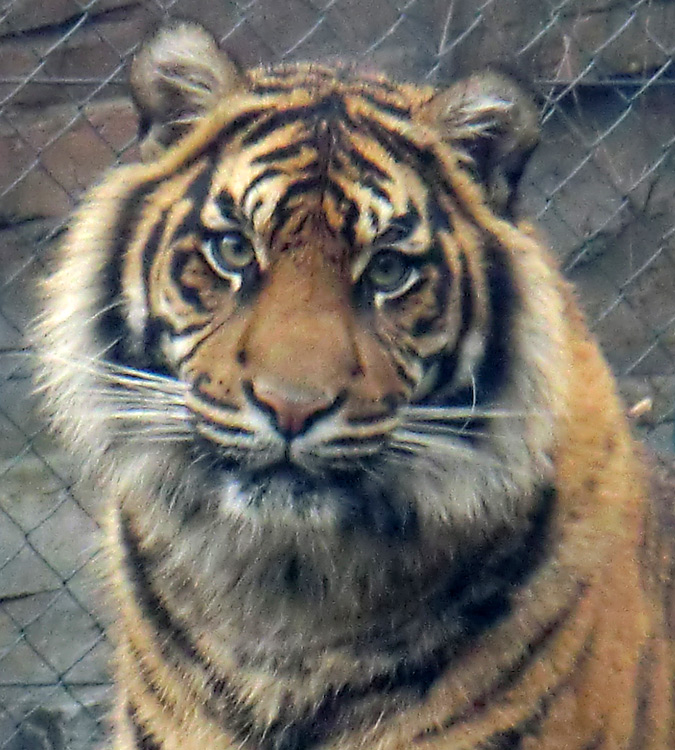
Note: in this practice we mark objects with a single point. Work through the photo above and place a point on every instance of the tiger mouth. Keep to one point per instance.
(347, 500)
(287, 471)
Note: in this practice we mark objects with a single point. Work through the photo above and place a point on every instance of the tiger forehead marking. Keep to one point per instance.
(321, 155)
(368, 483)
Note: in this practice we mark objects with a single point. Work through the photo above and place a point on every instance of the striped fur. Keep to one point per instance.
(368, 482)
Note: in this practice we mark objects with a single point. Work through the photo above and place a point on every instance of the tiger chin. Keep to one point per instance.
(367, 478)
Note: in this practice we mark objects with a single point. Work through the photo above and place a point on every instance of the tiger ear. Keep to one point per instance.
(177, 78)
(495, 123)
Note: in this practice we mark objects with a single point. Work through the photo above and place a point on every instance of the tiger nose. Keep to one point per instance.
(293, 410)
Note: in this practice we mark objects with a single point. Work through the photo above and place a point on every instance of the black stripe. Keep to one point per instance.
(111, 326)
(231, 714)
(386, 106)
(282, 212)
(264, 175)
(277, 88)
(241, 122)
(402, 226)
(540, 710)
(447, 362)
(150, 248)
(493, 372)
(226, 205)
(220, 427)
(349, 441)
(150, 356)
(443, 288)
(643, 686)
(351, 217)
(196, 193)
(142, 740)
(190, 295)
(531, 726)
(337, 193)
(256, 207)
(376, 189)
(197, 387)
(403, 375)
(137, 565)
(531, 653)
(438, 217)
(366, 165)
(511, 739)
(467, 295)
(331, 106)
(274, 121)
(400, 370)
(190, 354)
(422, 160)
(281, 153)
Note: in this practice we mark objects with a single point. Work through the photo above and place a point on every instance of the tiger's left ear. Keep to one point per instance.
(177, 78)
(495, 123)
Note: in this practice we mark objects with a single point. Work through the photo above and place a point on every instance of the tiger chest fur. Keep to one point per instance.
(367, 480)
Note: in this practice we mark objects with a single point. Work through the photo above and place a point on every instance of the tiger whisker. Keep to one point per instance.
(137, 393)
(139, 384)
(436, 428)
(144, 374)
(432, 450)
(142, 414)
(153, 438)
(425, 444)
(151, 429)
(124, 375)
(150, 406)
(443, 413)
(166, 388)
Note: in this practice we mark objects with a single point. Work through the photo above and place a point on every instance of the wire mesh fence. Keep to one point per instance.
(602, 185)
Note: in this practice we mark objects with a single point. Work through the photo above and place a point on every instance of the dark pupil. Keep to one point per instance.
(235, 251)
(387, 270)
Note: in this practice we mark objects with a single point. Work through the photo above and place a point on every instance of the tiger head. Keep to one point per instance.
(314, 292)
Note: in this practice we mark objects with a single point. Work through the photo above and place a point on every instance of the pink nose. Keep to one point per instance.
(292, 410)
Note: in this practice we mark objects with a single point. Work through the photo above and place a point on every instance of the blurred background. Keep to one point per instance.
(602, 185)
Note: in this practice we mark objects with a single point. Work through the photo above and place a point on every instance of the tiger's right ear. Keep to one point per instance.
(177, 78)
(495, 123)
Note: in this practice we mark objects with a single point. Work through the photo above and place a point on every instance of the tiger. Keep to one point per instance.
(366, 478)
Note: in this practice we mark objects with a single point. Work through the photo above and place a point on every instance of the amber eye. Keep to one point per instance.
(229, 253)
(388, 270)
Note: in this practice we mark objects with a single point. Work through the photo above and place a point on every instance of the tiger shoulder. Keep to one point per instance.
(367, 480)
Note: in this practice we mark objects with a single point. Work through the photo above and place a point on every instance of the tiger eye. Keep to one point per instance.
(388, 270)
(230, 252)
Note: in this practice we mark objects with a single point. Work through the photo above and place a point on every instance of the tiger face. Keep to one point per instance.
(313, 296)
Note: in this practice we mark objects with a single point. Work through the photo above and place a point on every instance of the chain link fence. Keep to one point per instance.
(602, 185)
